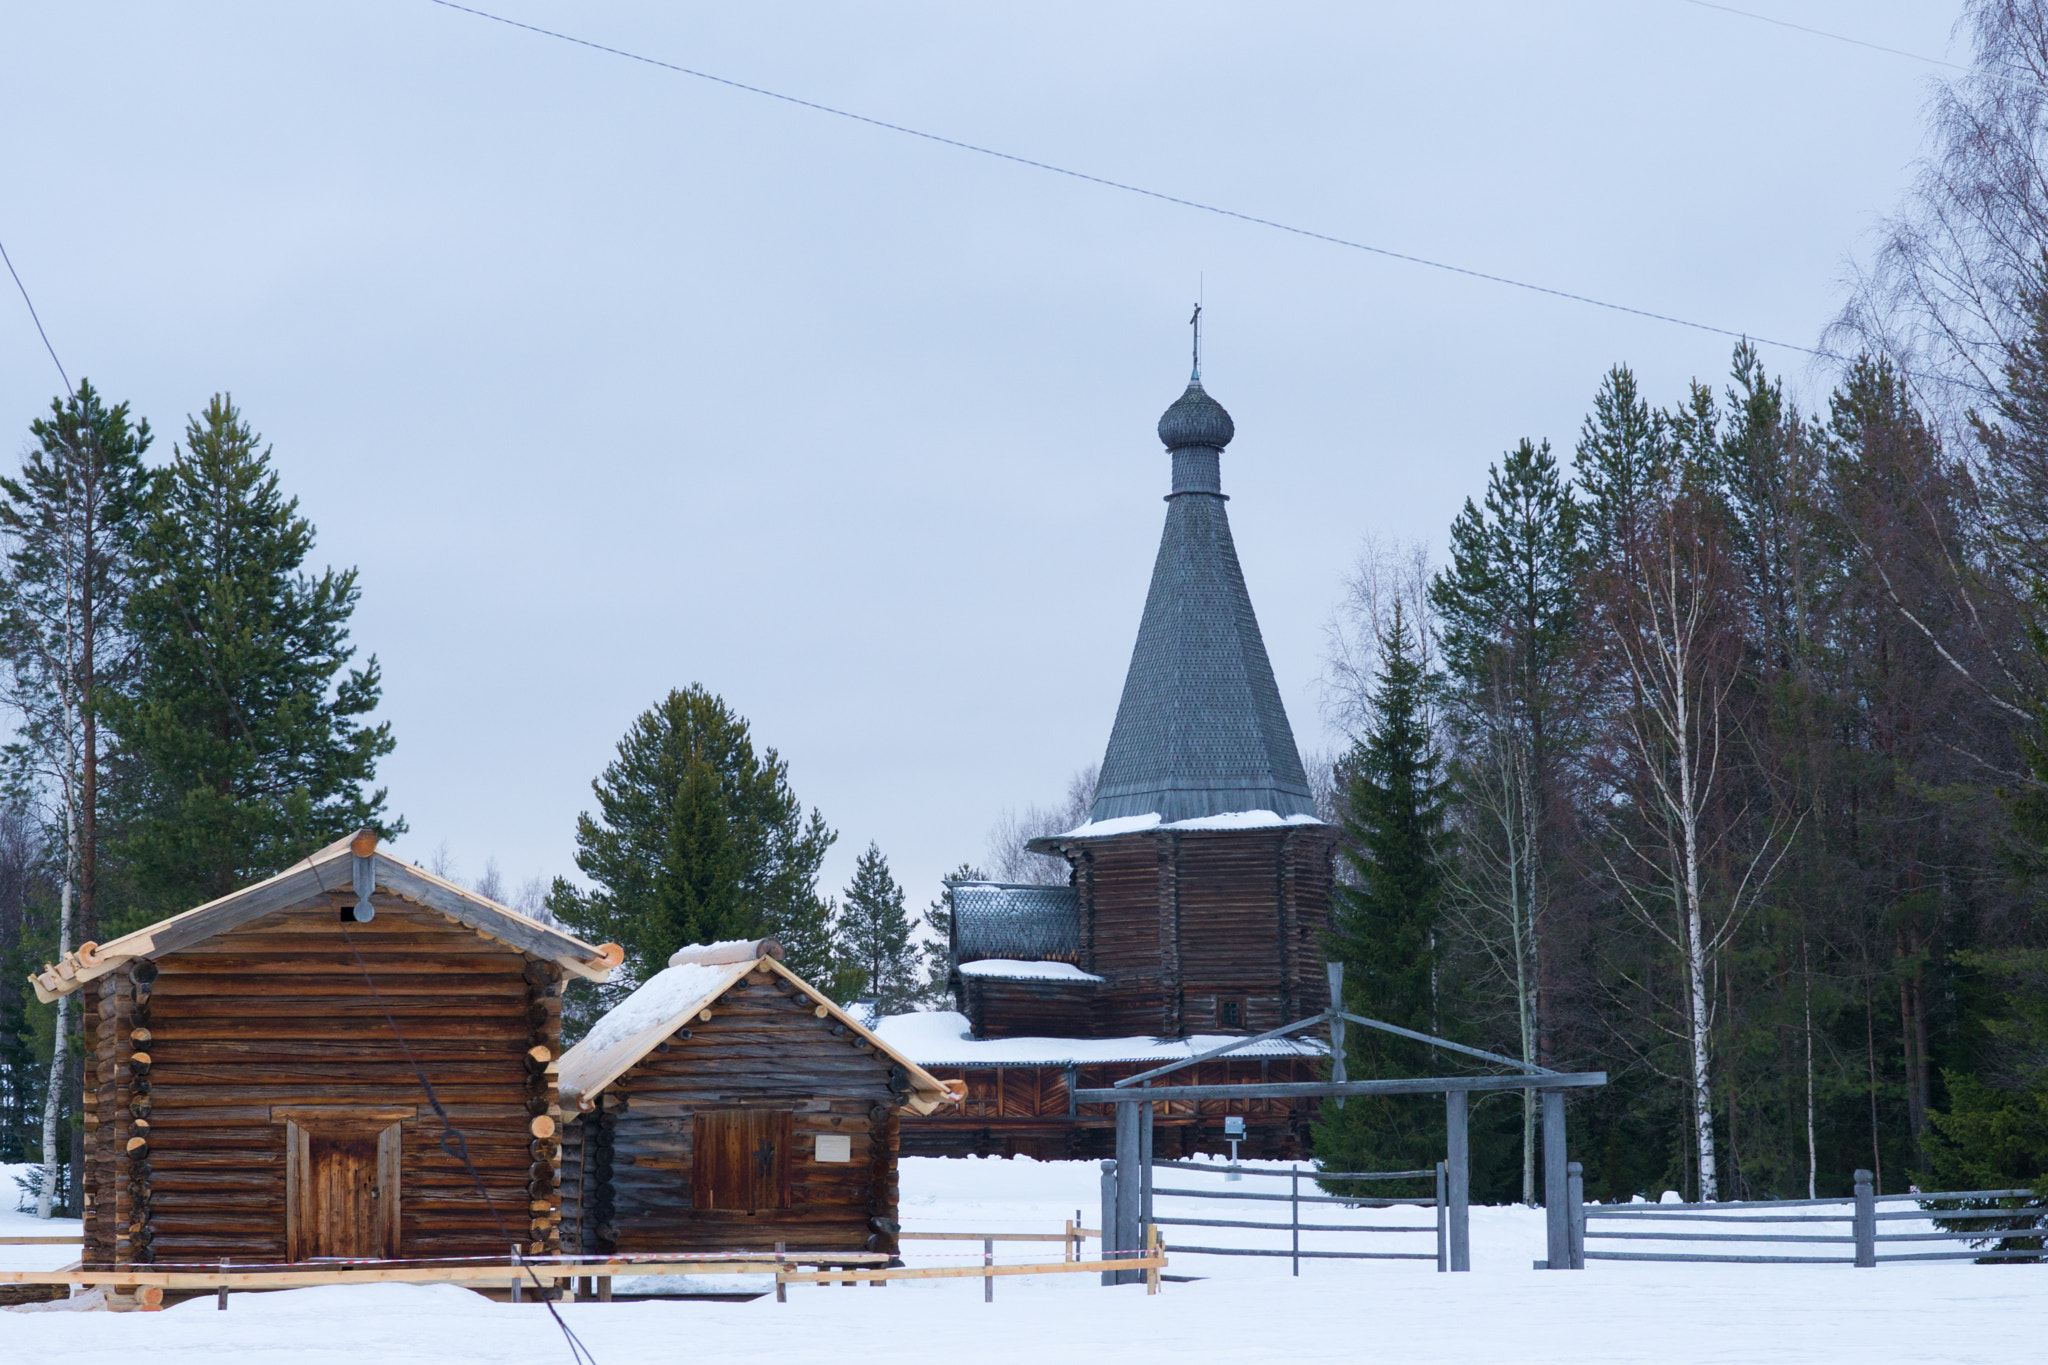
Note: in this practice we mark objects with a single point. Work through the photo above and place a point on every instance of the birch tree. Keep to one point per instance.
(1672, 641)
(63, 579)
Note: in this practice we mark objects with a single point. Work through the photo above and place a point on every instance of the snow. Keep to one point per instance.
(1015, 969)
(639, 1022)
(14, 1223)
(1241, 819)
(725, 951)
(1245, 1311)
(668, 995)
(943, 1038)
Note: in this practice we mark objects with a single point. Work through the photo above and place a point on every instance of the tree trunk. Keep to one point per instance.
(60, 1071)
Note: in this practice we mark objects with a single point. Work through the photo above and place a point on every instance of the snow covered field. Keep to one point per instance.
(1246, 1310)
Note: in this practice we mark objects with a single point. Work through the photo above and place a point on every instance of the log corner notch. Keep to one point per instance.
(325, 874)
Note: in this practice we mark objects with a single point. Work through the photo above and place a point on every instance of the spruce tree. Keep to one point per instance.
(937, 948)
(241, 744)
(1385, 917)
(698, 838)
(873, 933)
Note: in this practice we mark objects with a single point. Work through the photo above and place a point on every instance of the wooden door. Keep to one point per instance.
(342, 1196)
(341, 1189)
(739, 1160)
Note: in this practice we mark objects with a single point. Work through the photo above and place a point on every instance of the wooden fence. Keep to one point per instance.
(1860, 1241)
(1295, 1199)
(146, 1285)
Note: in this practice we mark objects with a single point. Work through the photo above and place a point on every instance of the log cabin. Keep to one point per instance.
(1198, 890)
(729, 1105)
(267, 1074)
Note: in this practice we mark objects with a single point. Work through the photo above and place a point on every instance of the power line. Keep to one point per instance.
(1860, 42)
(32, 314)
(1130, 188)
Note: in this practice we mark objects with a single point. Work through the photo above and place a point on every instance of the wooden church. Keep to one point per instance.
(1199, 888)
(263, 1072)
(726, 1105)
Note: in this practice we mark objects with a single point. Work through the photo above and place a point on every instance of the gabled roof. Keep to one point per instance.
(329, 872)
(1200, 730)
(692, 982)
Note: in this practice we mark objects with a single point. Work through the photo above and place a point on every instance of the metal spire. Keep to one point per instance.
(1196, 323)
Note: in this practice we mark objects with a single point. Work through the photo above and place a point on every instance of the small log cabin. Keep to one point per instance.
(258, 1071)
(1198, 891)
(728, 1105)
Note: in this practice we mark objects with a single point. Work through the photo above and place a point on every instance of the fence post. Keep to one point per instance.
(515, 1272)
(1443, 1237)
(1145, 1157)
(1556, 1226)
(1130, 1184)
(1294, 1215)
(988, 1258)
(223, 1303)
(1865, 1223)
(781, 1285)
(1575, 1206)
(1458, 1161)
(1108, 1216)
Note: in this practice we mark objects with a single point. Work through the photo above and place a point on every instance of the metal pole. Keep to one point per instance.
(1575, 1205)
(1555, 1187)
(1294, 1216)
(1108, 1215)
(1443, 1231)
(1458, 1162)
(1865, 1221)
(515, 1272)
(988, 1258)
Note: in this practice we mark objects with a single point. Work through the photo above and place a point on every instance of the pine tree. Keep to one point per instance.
(697, 839)
(1508, 607)
(1385, 922)
(241, 745)
(62, 583)
(873, 934)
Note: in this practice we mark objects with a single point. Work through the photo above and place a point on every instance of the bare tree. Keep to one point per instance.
(1941, 296)
(491, 885)
(1008, 859)
(1674, 641)
(1385, 572)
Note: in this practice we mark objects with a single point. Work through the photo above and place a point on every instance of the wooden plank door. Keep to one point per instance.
(341, 1190)
(740, 1160)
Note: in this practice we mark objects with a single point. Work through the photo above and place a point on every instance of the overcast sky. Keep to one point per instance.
(611, 380)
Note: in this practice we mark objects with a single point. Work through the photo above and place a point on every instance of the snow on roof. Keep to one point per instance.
(1012, 969)
(1241, 819)
(671, 997)
(640, 1021)
(943, 1038)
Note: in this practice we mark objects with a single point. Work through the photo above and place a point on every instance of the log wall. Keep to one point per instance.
(1026, 1111)
(629, 1164)
(998, 1007)
(277, 1013)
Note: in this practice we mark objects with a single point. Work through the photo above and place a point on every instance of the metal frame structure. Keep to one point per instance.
(1135, 1096)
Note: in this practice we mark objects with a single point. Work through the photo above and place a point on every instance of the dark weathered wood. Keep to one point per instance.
(272, 1021)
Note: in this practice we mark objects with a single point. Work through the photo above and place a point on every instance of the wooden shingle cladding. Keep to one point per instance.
(778, 1109)
(248, 1098)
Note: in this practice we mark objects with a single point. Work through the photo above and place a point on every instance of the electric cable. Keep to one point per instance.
(1860, 42)
(1136, 189)
(35, 317)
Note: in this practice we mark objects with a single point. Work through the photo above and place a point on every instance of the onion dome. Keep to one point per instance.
(1196, 419)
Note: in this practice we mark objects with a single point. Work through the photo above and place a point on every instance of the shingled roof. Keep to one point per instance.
(1200, 730)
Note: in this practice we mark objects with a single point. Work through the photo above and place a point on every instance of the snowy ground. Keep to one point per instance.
(1246, 1310)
